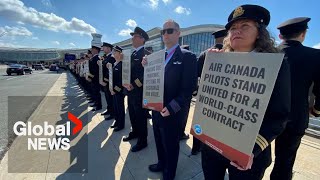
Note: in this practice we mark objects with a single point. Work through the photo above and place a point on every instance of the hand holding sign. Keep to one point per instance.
(144, 61)
(250, 162)
(215, 50)
(129, 87)
(165, 112)
(109, 66)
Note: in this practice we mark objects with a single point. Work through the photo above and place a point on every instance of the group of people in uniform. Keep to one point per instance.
(284, 122)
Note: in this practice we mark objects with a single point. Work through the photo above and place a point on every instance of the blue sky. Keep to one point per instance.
(68, 23)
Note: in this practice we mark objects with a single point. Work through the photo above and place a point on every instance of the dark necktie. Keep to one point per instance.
(165, 56)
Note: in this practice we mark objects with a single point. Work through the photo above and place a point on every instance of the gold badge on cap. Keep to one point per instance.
(238, 12)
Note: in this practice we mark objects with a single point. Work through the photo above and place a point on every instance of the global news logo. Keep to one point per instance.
(52, 137)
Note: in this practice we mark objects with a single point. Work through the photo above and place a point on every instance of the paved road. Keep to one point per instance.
(19, 97)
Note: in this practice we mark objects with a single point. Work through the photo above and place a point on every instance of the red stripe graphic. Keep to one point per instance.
(230, 153)
(76, 121)
(154, 106)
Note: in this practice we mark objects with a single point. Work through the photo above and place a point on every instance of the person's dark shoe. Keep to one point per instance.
(155, 168)
(194, 152)
(118, 129)
(128, 138)
(184, 137)
(109, 118)
(96, 109)
(106, 112)
(138, 147)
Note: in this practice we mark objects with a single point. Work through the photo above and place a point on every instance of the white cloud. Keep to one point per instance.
(166, 1)
(131, 23)
(21, 23)
(182, 10)
(72, 44)
(15, 31)
(56, 42)
(35, 38)
(154, 4)
(4, 44)
(16, 10)
(125, 32)
(317, 46)
(46, 3)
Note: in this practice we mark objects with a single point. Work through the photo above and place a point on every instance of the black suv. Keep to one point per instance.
(19, 69)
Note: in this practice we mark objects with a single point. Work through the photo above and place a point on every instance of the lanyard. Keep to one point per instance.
(169, 56)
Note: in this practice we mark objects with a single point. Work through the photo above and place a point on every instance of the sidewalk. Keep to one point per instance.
(3, 66)
(108, 156)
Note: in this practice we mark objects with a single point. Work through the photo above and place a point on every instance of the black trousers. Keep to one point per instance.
(119, 114)
(109, 99)
(184, 118)
(138, 116)
(96, 96)
(287, 145)
(167, 135)
(196, 144)
(214, 165)
(89, 88)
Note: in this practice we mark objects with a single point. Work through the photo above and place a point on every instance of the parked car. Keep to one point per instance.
(39, 67)
(18, 69)
(53, 67)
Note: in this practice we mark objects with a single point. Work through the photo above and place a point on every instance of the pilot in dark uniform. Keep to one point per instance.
(249, 22)
(107, 48)
(180, 79)
(137, 114)
(218, 39)
(117, 94)
(88, 56)
(183, 135)
(304, 65)
(94, 71)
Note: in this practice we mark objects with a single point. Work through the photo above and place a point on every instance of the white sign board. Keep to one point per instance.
(126, 67)
(153, 81)
(233, 95)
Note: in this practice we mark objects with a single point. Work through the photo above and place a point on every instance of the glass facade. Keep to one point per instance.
(28, 56)
(198, 42)
(156, 44)
(198, 38)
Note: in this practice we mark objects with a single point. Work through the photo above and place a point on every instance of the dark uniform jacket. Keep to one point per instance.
(137, 70)
(277, 112)
(117, 78)
(202, 57)
(94, 68)
(305, 69)
(179, 80)
(108, 59)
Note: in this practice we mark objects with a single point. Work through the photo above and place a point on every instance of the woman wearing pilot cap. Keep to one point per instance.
(247, 33)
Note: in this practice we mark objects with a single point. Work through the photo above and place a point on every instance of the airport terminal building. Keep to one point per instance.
(199, 38)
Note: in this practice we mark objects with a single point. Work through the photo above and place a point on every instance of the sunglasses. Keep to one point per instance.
(168, 31)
